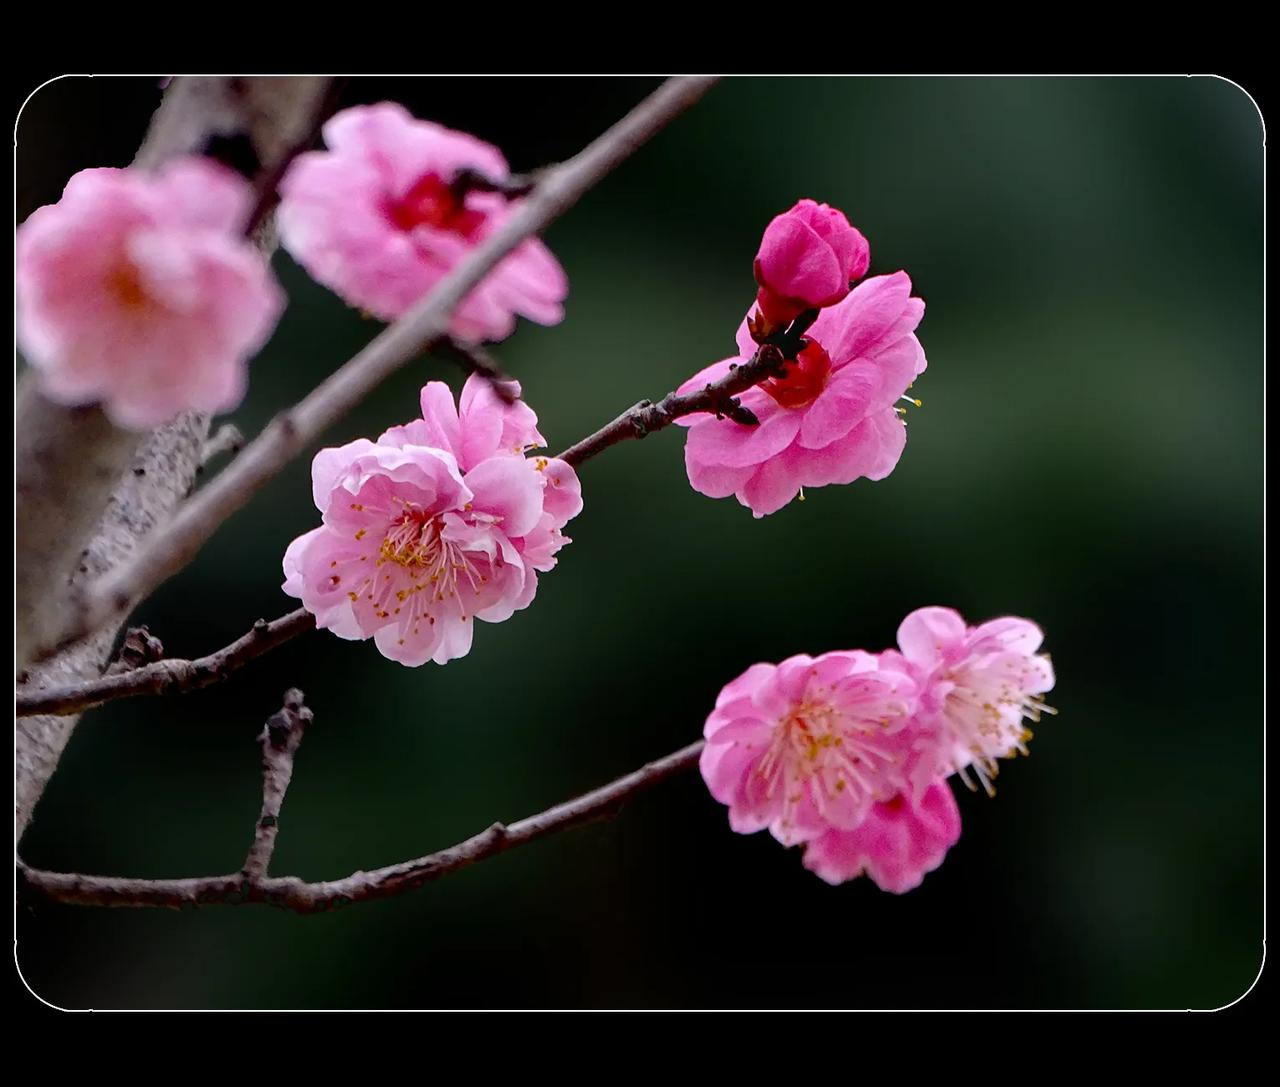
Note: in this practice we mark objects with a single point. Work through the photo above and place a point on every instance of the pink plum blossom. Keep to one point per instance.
(977, 685)
(808, 258)
(138, 290)
(375, 218)
(896, 844)
(808, 745)
(441, 521)
(831, 419)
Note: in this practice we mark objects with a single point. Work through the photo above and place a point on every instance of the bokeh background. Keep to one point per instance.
(1089, 455)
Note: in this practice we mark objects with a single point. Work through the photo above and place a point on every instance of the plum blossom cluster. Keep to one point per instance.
(385, 213)
(139, 291)
(848, 753)
(830, 415)
(438, 523)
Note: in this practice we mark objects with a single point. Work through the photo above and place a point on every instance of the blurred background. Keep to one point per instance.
(1089, 455)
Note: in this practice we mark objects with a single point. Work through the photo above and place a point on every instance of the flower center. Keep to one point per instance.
(818, 743)
(126, 286)
(414, 540)
(806, 377)
(432, 202)
(437, 566)
(985, 713)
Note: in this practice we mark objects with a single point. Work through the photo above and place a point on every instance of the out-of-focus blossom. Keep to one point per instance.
(378, 219)
(138, 290)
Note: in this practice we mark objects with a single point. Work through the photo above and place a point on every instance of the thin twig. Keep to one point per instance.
(475, 359)
(167, 552)
(280, 738)
(227, 439)
(468, 180)
(138, 649)
(168, 676)
(267, 182)
(718, 396)
(292, 893)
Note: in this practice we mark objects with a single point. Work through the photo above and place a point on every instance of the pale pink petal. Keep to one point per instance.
(927, 634)
(510, 489)
(562, 491)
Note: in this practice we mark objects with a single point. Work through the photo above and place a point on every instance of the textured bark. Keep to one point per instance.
(158, 479)
(67, 460)
(273, 119)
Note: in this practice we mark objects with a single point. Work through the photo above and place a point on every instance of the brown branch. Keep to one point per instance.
(718, 396)
(516, 185)
(289, 892)
(267, 182)
(560, 187)
(280, 739)
(168, 676)
(476, 360)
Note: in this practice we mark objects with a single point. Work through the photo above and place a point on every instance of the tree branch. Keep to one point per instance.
(167, 676)
(717, 397)
(227, 439)
(280, 739)
(559, 189)
(289, 892)
(473, 358)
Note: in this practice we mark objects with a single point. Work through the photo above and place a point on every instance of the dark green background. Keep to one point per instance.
(1088, 455)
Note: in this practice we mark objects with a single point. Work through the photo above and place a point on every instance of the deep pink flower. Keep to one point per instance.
(830, 420)
(808, 745)
(137, 290)
(375, 219)
(977, 686)
(896, 844)
(440, 522)
(808, 258)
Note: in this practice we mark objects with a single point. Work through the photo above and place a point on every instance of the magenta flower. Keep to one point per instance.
(977, 686)
(375, 218)
(831, 419)
(808, 745)
(896, 844)
(138, 290)
(440, 522)
(808, 258)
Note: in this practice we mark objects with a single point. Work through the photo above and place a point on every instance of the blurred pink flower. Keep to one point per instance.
(808, 258)
(831, 419)
(375, 219)
(440, 522)
(977, 686)
(808, 745)
(896, 844)
(137, 290)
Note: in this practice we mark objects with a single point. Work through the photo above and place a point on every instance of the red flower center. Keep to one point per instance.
(806, 377)
(432, 202)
